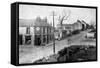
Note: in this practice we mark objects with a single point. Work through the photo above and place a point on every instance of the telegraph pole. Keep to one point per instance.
(53, 14)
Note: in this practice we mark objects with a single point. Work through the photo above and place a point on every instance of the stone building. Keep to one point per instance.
(35, 32)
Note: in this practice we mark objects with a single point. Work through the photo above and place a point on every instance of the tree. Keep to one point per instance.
(64, 16)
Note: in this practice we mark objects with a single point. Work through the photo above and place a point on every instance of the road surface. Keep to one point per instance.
(29, 54)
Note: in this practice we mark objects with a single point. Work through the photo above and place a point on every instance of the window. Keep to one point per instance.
(28, 30)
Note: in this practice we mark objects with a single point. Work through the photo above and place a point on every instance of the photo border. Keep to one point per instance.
(46, 4)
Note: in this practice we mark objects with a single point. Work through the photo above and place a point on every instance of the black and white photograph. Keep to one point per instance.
(55, 34)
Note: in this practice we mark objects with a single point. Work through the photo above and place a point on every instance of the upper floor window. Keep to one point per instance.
(28, 30)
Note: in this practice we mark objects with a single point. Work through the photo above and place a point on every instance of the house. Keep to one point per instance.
(66, 29)
(26, 31)
(77, 25)
(85, 25)
(35, 32)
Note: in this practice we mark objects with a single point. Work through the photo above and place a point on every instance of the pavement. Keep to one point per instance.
(30, 53)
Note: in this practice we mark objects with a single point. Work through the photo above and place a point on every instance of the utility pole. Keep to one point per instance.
(53, 14)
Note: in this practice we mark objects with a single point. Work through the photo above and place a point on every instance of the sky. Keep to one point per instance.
(33, 11)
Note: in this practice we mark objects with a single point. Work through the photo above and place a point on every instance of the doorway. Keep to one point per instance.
(37, 40)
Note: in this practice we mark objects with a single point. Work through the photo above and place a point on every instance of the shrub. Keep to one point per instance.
(77, 53)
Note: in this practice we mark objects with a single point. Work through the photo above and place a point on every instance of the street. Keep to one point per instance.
(29, 54)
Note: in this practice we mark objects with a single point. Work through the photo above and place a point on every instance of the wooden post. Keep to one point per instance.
(53, 14)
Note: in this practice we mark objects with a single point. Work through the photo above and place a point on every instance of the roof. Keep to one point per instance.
(31, 23)
(41, 23)
(25, 23)
(64, 25)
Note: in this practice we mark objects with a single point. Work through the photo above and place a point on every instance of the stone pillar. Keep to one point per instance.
(41, 35)
(32, 40)
(32, 32)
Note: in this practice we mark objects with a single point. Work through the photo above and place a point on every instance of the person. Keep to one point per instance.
(69, 41)
(59, 37)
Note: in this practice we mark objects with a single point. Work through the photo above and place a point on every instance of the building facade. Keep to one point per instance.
(66, 29)
(35, 32)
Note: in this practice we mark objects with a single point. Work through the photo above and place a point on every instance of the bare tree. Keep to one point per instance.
(64, 16)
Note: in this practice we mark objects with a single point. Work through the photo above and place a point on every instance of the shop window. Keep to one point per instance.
(28, 40)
